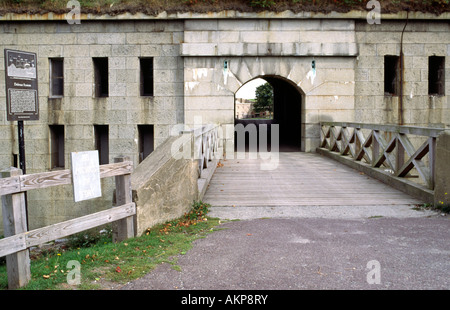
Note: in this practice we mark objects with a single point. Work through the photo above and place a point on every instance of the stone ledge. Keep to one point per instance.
(269, 49)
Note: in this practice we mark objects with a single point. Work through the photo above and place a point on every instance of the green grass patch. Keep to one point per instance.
(155, 6)
(439, 207)
(104, 262)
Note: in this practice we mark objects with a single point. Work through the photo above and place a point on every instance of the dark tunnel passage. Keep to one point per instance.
(287, 115)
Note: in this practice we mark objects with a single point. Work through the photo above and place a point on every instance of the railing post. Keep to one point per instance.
(15, 222)
(442, 170)
(432, 159)
(400, 158)
(375, 147)
(124, 228)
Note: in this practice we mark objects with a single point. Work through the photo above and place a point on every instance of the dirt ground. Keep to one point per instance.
(154, 7)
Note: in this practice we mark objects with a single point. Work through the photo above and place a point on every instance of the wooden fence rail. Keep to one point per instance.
(206, 143)
(389, 147)
(15, 246)
(206, 150)
(377, 151)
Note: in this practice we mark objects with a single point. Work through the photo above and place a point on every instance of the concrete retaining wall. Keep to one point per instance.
(164, 187)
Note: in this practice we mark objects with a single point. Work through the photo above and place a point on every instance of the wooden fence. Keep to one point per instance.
(206, 145)
(402, 152)
(206, 149)
(15, 246)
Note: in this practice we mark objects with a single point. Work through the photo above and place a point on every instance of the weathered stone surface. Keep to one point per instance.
(189, 53)
(164, 187)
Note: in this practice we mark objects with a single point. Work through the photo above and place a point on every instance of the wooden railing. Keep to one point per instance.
(205, 148)
(15, 246)
(401, 151)
(205, 145)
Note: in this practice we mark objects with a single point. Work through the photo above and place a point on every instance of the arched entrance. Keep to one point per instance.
(287, 115)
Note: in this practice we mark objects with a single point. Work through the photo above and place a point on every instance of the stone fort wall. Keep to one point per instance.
(198, 65)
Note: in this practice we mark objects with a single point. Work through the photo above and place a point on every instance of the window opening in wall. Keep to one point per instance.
(101, 133)
(56, 77)
(56, 146)
(146, 141)
(101, 79)
(436, 75)
(391, 75)
(146, 79)
(15, 162)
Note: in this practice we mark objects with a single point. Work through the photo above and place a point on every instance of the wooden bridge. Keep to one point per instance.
(302, 182)
(395, 168)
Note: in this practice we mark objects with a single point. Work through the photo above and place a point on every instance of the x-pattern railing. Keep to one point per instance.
(385, 146)
(206, 145)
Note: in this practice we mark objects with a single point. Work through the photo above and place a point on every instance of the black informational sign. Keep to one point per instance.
(21, 86)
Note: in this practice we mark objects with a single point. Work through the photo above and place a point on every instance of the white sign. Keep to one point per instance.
(85, 175)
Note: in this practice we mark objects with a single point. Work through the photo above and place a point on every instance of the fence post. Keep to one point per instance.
(15, 222)
(124, 228)
(400, 159)
(375, 147)
(442, 170)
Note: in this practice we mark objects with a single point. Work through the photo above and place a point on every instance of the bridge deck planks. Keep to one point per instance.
(301, 179)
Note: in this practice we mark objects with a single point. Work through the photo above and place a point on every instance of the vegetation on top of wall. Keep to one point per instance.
(153, 7)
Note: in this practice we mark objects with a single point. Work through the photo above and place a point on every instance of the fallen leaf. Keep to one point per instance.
(46, 276)
(118, 269)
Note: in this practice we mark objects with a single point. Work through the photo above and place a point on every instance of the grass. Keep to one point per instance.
(104, 263)
(153, 6)
(440, 207)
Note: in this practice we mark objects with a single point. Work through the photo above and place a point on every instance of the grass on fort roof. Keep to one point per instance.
(156, 6)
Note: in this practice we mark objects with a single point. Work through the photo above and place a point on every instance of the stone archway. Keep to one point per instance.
(287, 115)
(325, 85)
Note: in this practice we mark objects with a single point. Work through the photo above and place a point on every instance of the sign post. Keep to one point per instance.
(22, 100)
(21, 86)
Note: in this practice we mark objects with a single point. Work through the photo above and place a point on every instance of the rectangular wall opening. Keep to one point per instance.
(56, 77)
(436, 75)
(146, 141)
(391, 75)
(101, 133)
(146, 79)
(56, 146)
(15, 160)
(101, 78)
